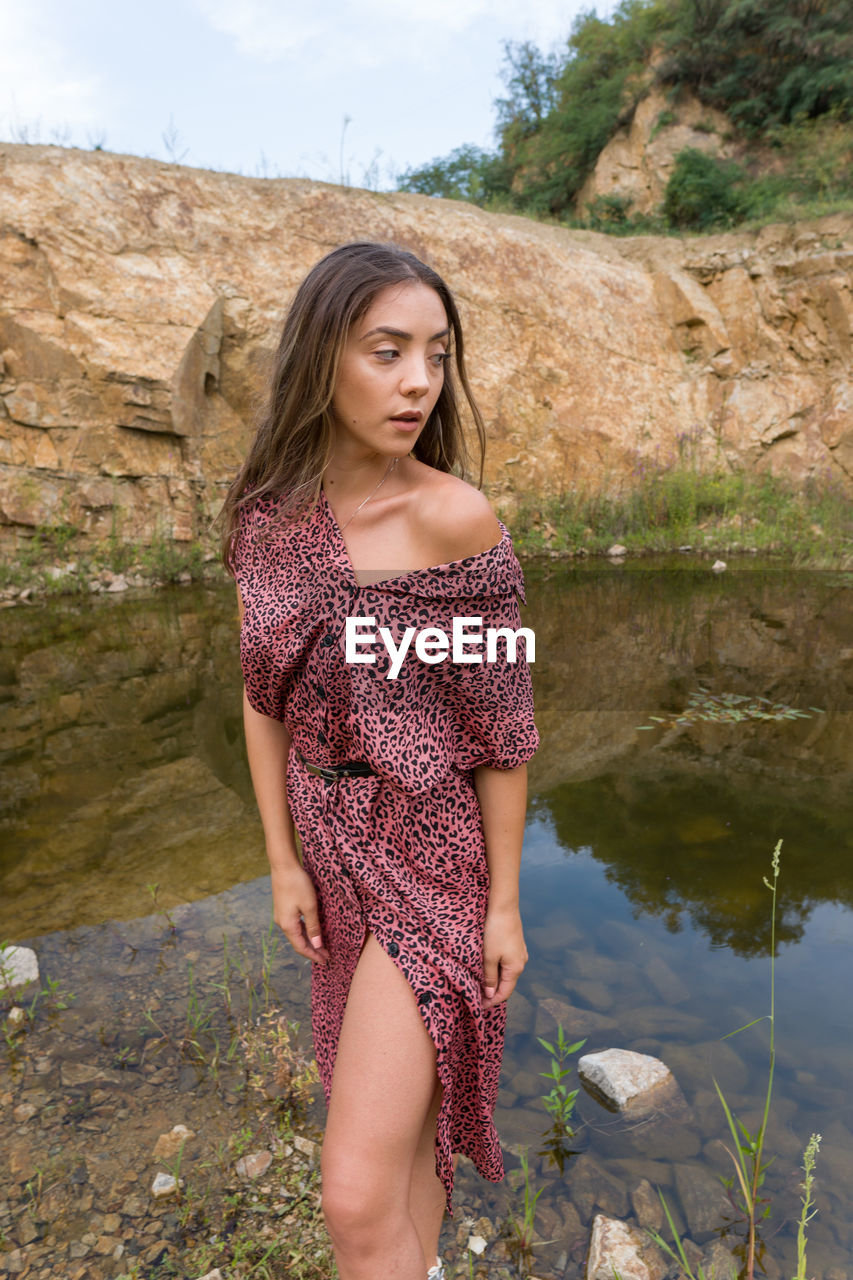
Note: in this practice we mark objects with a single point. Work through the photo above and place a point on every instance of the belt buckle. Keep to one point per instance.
(322, 771)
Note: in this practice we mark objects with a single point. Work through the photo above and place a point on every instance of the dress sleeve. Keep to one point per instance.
(492, 701)
(268, 645)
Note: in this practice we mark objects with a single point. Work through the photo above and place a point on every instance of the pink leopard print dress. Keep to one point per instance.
(401, 853)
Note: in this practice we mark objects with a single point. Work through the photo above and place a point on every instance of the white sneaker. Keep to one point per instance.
(436, 1272)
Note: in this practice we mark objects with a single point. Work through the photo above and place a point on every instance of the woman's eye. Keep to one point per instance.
(387, 355)
(440, 358)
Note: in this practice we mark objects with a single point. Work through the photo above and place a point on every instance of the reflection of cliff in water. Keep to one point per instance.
(615, 646)
(685, 817)
(122, 759)
(123, 765)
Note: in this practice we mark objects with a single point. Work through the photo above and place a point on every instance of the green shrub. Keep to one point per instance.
(704, 192)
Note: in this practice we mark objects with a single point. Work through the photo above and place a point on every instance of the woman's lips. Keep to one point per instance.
(407, 424)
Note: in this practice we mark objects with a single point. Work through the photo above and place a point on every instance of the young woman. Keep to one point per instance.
(401, 762)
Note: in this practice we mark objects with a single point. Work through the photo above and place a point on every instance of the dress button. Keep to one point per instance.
(393, 949)
(425, 997)
(319, 690)
(321, 738)
(328, 639)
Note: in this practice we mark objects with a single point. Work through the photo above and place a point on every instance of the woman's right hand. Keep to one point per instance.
(295, 911)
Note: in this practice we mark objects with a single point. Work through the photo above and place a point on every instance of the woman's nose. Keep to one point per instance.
(414, 379)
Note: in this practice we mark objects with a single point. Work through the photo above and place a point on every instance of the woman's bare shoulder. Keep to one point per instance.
(457, 519)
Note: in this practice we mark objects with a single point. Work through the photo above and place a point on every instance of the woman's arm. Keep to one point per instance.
(503, 803)
(294, 900)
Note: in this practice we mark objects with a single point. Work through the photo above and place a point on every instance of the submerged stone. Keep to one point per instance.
(169, 1144)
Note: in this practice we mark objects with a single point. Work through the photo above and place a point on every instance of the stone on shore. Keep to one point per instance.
(254, 1166)
(618, 1249)
(18, 966)
(164, 1185)
(625, 1079)
(16, 1020)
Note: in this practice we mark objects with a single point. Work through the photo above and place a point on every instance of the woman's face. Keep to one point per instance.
(391, 372)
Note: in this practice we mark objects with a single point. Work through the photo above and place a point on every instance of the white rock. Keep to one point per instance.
(476, 1244)
(622, 1075)
(617, 550)
(617, 1249)
(18, 966)
(163, 1185)
(118, 583)
(16, 1020)
(719, 565)
(305, 1145)
(212, 1275)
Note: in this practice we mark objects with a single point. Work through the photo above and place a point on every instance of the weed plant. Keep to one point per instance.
(746, 1151)
(519, 1231)
(559, 1102)
(728, 708)
(807, 1211)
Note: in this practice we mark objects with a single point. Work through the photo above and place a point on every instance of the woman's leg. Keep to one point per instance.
(426, 1192)
(383, 1093)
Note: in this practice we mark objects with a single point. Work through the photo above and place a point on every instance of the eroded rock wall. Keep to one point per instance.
(139, 304)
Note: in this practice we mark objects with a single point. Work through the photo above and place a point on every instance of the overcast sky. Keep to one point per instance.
(264, 87)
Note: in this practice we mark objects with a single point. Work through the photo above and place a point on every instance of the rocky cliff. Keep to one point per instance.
(637, 162)
(139, 303)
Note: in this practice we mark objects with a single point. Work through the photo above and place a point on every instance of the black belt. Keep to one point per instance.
(349, 769)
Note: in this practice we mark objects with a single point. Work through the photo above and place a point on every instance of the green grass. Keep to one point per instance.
(60, 547)
(712, 511)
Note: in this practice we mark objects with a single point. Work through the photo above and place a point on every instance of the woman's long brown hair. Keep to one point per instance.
(293, 443)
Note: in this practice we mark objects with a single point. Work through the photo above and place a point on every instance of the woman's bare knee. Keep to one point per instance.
(358, 1212)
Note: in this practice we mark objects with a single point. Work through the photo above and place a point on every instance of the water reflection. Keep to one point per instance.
(694, 849)
(123, 763)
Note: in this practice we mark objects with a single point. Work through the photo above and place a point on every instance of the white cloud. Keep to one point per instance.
(540, 20)
(368, 33)
(263, 29)
(40, 90)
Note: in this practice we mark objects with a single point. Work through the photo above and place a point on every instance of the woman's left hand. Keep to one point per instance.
(504, 954)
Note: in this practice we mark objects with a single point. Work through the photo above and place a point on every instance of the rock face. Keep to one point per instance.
(140, 302)
(636, 163)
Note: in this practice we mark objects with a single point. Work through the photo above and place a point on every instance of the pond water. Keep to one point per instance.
(647, 919)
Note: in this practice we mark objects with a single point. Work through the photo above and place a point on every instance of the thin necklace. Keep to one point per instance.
(391, 465)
